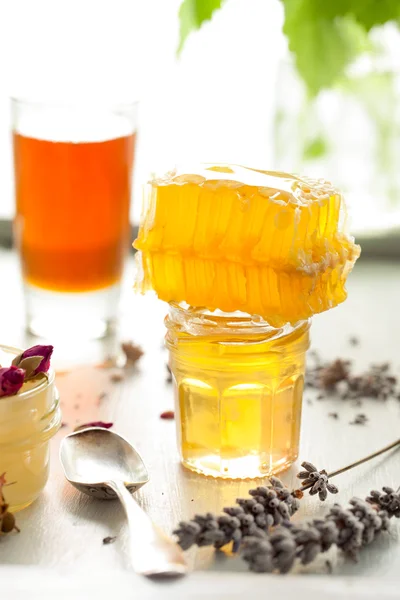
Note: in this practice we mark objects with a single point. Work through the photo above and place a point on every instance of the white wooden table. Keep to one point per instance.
(59, 552)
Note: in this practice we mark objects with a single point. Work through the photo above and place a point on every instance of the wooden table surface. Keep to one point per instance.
(59, 552)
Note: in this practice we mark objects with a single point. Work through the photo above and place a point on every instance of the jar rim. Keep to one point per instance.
(202, 317)
(29, 393)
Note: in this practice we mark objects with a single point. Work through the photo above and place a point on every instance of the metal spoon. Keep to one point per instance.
(101, 463)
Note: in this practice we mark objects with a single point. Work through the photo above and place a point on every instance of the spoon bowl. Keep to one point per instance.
(95, 455)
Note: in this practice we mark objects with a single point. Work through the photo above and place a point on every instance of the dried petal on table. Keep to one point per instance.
(117, 376)
(132, 352)
(108, 363)
(94, 424)
(109, 540)
(167, 414)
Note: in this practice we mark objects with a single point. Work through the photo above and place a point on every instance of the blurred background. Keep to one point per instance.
(307, 87)
(232, 94)
(214, 102)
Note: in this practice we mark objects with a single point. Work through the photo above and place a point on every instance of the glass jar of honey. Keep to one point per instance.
(28, 420)
(238, 387)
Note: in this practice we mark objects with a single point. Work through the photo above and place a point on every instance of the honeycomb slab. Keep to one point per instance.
(238, 239)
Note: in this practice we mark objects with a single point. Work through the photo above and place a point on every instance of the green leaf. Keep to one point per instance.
(368, 13)
(323, 45)
(325, 36)
(316, 148)
(376, 12)
(192, 14)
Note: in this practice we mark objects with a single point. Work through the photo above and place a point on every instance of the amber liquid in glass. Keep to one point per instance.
(72, 221)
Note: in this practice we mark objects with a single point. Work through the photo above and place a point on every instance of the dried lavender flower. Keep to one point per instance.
(336, 377)
(358, 525)
(287, 543)
(317, 481)
(257, 552)
(350, 529)
(359, 419)
(266, 507)
(377, 383)
(331, 374)
(387, 500)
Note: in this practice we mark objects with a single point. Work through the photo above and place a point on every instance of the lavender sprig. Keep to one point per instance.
(267, 507)
(349, 529)
(270, 508)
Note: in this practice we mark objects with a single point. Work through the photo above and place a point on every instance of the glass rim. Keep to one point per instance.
(76, 103)
(24, 395)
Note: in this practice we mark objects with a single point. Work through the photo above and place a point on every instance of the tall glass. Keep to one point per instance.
(73, 177)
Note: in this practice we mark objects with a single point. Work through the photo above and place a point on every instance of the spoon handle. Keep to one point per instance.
(153, 552)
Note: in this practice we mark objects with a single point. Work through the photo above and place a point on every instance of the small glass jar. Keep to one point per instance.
(238, 388)
(28, 420)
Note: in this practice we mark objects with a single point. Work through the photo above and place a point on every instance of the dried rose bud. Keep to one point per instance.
(44, 351)
(11, 380)
(167, 414)
(7, 523)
